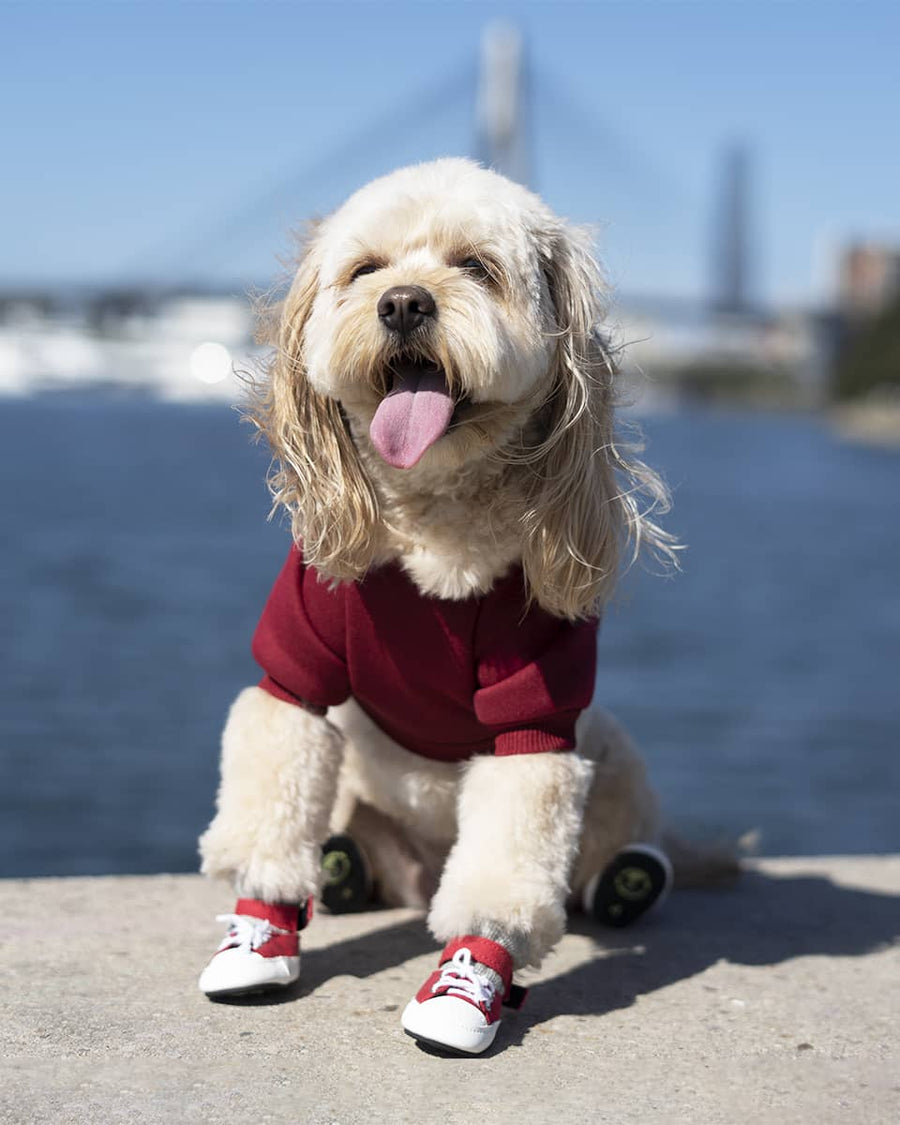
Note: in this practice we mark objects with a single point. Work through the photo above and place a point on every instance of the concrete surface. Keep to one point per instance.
(773, 1002)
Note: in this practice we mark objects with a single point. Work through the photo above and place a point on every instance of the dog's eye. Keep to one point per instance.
(366, 267)
(475, 267)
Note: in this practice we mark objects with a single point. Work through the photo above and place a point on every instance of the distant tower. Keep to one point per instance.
(501, 113)
(731, 234)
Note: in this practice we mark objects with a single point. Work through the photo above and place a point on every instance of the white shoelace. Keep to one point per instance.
(246, 932)
(459, 977)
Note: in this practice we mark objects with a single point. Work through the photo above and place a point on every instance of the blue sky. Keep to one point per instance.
(161, 139)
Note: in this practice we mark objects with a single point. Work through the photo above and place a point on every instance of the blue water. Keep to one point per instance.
(762, 682)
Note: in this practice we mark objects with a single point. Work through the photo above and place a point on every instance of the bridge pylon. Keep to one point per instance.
(502, 133)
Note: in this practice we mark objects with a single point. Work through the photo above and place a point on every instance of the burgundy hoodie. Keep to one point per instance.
(445, 679)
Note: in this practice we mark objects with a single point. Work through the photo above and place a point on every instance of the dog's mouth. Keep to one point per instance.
(415, 413)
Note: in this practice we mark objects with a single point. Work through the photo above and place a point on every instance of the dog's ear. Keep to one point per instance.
(317, 475)
(584, 502)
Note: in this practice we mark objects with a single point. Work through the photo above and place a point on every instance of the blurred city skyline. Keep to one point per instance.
(181, 141)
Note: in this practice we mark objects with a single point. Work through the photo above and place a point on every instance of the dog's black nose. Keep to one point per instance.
(404, 307)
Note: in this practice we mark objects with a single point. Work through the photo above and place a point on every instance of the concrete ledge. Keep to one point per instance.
(773, 1002)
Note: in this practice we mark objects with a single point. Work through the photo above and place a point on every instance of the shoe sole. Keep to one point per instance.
(252, 990)
(474, 1041)
(443, 1048)
(637, 878)
(347, 886)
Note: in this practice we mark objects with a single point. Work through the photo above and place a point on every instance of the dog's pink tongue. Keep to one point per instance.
(412, 416)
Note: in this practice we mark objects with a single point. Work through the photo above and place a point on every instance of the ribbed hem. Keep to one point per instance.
(530, 742)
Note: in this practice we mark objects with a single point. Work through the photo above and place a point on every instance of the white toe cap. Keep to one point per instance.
(449, 1021)
(237, 970)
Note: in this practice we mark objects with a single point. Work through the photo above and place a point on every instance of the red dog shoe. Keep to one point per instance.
(457, 1009)
(261, 950)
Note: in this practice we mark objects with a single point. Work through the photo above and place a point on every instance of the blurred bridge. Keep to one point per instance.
(505, 109)
(509, 111)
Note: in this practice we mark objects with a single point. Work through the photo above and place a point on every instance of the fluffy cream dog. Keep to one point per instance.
(440, 409)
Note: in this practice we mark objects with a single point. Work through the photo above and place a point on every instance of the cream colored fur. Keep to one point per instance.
(280, 769)
(520, 821)
(531, 471)
(418, 793)
(421, 799)
(621, 807)
(533, 448)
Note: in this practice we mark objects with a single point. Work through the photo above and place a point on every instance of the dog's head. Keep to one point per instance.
(444, 316)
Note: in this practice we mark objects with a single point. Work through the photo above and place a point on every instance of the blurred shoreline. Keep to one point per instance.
(181, 347)
(186, 345)
(874, 421)
(198, 347)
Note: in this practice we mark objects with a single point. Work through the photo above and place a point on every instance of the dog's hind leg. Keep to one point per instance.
(398, 808)
(621, 806)
(401, 871)
(628, 858)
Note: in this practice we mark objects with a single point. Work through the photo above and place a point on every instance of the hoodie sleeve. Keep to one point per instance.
(535, 675)
(299, 641)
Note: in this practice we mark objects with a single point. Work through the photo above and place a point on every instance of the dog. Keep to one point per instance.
(440, 407)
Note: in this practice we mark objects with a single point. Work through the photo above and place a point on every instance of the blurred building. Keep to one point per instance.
(868, 278)
(864, 368)
(673, 351)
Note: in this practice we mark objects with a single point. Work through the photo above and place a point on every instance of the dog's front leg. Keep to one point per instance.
(507, 876)
(280, 768)
(501, 903)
